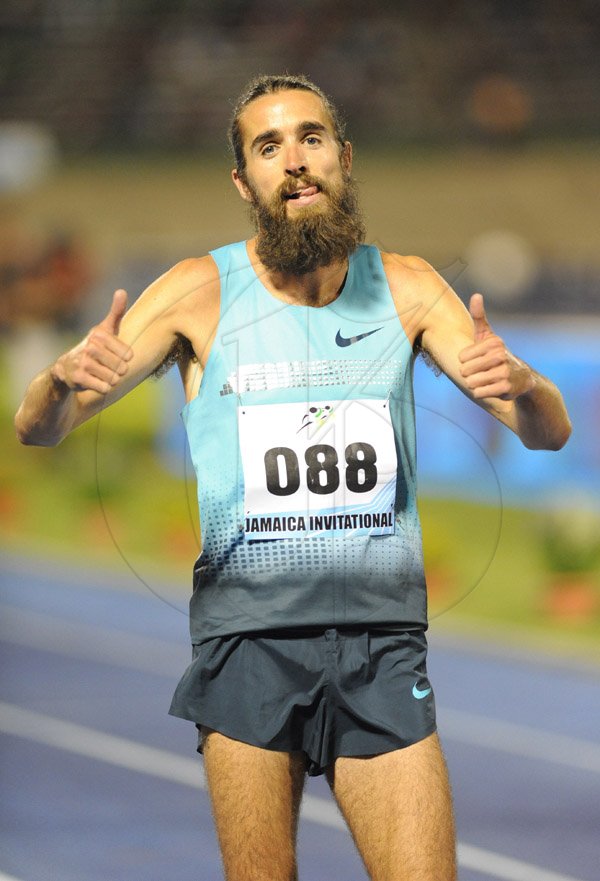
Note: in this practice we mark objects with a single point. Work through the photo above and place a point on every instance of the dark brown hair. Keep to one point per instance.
(268, 85)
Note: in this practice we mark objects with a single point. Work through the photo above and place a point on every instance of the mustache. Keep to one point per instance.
(292, 185)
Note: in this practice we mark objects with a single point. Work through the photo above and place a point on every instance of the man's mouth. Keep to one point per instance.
(305, 196)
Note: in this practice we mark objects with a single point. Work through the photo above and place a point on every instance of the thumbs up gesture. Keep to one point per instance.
(101, 359)
(487, 366)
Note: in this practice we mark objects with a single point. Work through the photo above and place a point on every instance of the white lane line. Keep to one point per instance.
(125, 753)
(163, 658)
(160, 657)
(489, 863)
(518, 740)
(86, 641)
(5, 877)
(95, 744)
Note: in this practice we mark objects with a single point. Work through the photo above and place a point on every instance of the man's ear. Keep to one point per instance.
(346, 157)
(241, 186)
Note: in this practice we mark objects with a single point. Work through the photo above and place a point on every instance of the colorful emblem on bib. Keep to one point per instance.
(316, 416)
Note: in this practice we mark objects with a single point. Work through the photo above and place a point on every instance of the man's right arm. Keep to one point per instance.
(114, 357)
(54, 401)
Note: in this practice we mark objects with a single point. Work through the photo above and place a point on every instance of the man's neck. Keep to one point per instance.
(317, 288)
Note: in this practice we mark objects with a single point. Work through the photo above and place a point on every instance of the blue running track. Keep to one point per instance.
(100, 784)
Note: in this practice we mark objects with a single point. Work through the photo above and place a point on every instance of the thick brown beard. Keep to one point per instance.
(318, 237)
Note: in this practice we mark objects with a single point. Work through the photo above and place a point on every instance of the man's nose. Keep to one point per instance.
(295, 161)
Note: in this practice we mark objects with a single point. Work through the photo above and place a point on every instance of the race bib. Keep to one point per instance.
(327, 467)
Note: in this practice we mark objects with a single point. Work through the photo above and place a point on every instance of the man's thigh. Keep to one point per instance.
(255, 795)
(399, 809)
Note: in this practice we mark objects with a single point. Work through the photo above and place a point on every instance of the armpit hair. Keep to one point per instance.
(181, 350)
(428, 359)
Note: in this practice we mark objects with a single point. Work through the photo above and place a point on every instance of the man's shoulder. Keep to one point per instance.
(409, 274)
(192, 274)
(420, 293)
(189, 284)
(405, 265)
(186, 293)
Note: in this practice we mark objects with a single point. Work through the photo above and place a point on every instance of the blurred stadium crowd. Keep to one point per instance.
(148, 73)
(79, 77)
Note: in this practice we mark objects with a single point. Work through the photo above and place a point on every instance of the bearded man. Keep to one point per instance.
(308, 614)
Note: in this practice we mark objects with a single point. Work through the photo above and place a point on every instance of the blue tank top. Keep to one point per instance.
(302, 436)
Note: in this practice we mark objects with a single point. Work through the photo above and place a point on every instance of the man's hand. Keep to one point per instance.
(100, 360)
(489, 369)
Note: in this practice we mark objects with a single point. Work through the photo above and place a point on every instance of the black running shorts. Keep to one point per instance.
(327, 693)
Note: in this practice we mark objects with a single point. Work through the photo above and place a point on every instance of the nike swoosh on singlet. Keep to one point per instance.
(349, 341)
(420, 694)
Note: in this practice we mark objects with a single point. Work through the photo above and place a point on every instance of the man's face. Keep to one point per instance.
(297, 179)
(286, 135)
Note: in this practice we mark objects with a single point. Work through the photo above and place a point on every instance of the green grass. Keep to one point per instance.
(101, 496)
(489, 571)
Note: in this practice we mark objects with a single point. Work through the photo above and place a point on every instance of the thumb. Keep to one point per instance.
(112, 322)
(481, 324)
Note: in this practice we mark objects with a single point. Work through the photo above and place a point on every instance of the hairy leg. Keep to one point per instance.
(255, 795)
(399, 809)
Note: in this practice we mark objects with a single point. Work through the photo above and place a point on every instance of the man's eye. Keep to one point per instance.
(311, 140)
(268, 149)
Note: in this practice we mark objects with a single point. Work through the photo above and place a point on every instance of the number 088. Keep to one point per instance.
(282, 469)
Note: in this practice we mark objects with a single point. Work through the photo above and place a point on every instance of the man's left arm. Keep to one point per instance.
(478, 361)
(538, 414)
